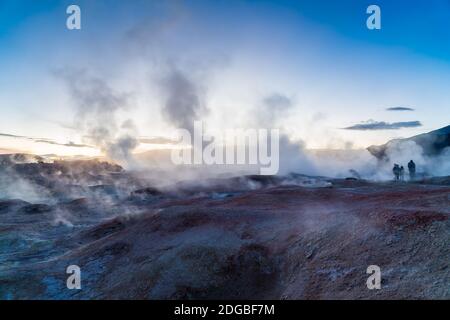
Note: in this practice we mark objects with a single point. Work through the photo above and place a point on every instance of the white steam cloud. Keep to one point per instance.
(184, 100)
(97, 105)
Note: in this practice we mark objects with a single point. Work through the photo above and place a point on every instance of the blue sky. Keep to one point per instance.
(318, 54)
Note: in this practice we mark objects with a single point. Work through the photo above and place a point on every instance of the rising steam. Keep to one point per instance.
(96, 107)
(184, 100)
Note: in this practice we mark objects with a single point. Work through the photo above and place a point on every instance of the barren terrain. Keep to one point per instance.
(248, 237)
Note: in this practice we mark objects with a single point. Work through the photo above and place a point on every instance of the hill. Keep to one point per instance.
(432, 143)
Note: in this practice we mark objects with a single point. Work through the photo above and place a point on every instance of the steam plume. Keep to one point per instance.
(184, 101)
(97, 105)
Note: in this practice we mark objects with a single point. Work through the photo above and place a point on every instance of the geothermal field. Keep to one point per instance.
(236, 237)
(220, 153)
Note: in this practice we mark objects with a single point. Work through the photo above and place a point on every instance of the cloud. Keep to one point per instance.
(157, 140)
(269, 113)
(272, 108)
(97, 105)
(184, 100)
(13, 136)
(68, 144)
(278, 101)
(400, 109)
(48, 141)
(381, 125)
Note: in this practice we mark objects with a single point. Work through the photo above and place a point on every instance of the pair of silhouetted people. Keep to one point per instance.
(399, 171)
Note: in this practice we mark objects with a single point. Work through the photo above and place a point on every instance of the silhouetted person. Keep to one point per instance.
(402, 173)
(412, 170)
(396, 171)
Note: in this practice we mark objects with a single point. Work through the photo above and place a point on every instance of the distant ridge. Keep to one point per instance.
(14, 158)
(432, 143)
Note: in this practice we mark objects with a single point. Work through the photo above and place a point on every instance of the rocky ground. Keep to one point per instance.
(240, 238)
